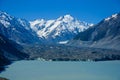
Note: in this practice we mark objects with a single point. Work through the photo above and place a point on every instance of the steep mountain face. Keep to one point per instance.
(60, 30)
(105, 34)
(16, 29)
(3, 61)
(9, 52)
(8, 49)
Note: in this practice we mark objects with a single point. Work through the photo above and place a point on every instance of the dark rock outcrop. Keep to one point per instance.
(8, 52)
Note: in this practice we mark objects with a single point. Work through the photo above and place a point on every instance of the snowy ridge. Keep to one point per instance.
(113, 16)
(63, 28)
(5, 18)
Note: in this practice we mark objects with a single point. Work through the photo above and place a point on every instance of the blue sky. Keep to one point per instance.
(91, 11)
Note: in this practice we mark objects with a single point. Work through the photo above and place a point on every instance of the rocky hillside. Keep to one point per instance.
(105, 34)
(9, 49)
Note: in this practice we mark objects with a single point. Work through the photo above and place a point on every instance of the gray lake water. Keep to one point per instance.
(38, 70)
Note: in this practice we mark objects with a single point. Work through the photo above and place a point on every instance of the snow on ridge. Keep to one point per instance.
(107, 19)
(5, 19)
(113, 16)
(21, 22)
(64, 27)
(38, 21)
(49, 22)
(5, 23)
(36, 24)
(68, 18)
(91, 25)
(5, 16)
(45, 31)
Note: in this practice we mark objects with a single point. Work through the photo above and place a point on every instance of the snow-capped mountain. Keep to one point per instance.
(62, 29)
(16, 29)
(59, 30)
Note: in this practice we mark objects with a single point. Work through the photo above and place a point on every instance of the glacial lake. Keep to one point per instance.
(46, 70)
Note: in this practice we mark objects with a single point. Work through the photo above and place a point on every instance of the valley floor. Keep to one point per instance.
(69, 53)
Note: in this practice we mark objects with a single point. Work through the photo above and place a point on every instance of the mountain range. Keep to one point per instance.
(58, 31)
(64, 38)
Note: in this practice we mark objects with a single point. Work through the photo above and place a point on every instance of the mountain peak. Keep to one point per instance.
(66, 18)
(37, 21)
